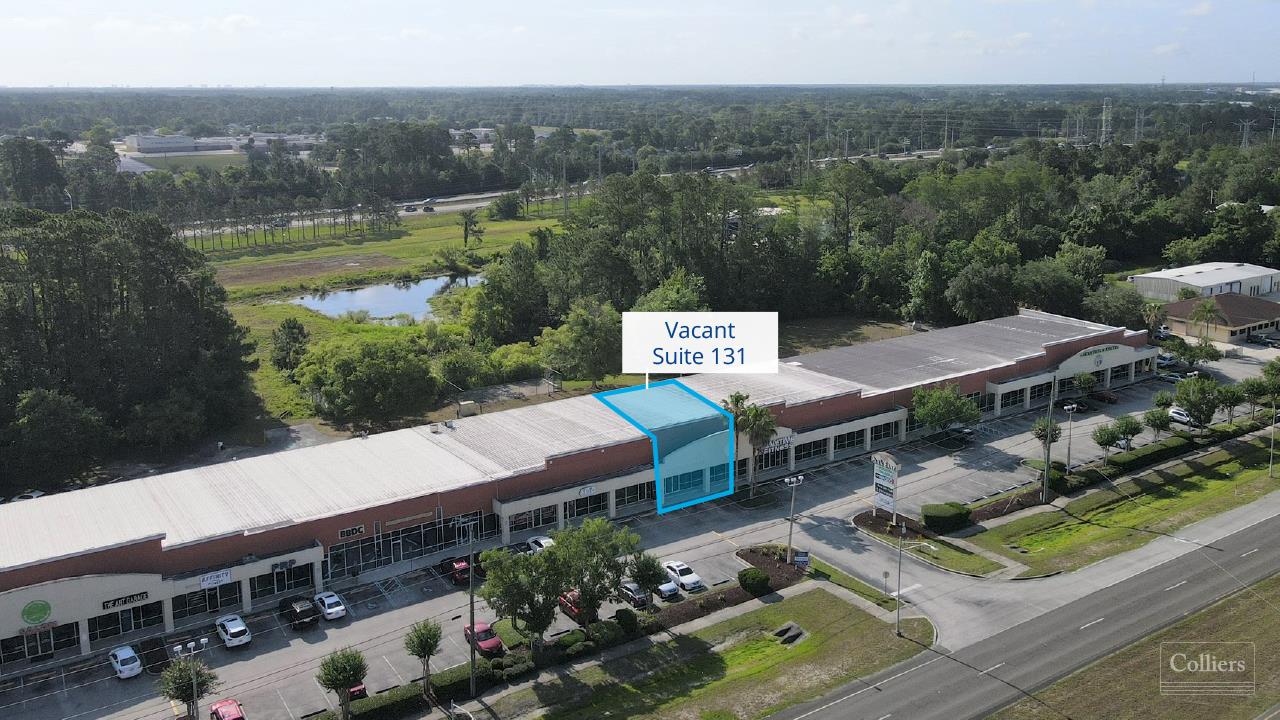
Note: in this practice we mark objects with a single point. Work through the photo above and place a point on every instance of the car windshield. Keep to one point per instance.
(485, 634)
(685, 571)
(238, 632)
(129, 660)
(332, 603)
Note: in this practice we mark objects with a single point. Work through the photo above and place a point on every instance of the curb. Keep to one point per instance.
(926, 561)
(1037, 577)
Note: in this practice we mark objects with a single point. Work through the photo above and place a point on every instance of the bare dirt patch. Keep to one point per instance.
(267, 273)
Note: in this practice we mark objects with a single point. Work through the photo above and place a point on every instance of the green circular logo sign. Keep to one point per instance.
(36, 612)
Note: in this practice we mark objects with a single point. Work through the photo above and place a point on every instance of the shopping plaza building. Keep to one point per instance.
(86, 570)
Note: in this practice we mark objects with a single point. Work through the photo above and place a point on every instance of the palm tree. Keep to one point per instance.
(422, 641)
(1205, 312)
(759, 425)
(340, 671)
(469, 220)
(1153, 315)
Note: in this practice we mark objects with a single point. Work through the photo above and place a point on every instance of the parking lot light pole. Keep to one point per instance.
(471, 591)
(194, 707)
(1271, 459)
(1071, 416)
(897, 595)
(792, 482)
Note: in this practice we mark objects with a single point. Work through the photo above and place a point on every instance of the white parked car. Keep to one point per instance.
(125, 662)
(683, 576)
(331, 606)
(1179, 415)
(232, 630)
(540, 543)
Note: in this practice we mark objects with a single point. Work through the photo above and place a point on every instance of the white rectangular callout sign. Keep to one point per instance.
(699, 342)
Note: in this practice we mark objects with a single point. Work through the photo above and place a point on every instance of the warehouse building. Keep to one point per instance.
(1208, 279)
(86, 570)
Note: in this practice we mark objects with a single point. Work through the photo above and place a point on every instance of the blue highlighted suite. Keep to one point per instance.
(692, 437)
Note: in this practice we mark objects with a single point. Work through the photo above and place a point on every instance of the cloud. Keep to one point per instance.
(29, 24)
(1167, 49)
(232, 23)
(1200, 9)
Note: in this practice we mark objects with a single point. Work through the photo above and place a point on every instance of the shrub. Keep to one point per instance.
(455, 683)
(400, 702)
(945, 517)
(569, 639)
(583, 648)
(607, 633)
(754, 581)
(1151, 454)
(626, 618)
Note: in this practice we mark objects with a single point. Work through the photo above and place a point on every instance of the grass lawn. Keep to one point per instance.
(734, 669)
(947, 555)
(1111, 521)
(1095, 692)
(802, 336)
(325, 262)
(819, 570)
(178, 163)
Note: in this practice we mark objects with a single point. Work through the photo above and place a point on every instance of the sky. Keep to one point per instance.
(323, 43)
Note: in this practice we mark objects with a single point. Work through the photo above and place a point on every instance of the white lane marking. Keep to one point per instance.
(886, 717)
(906, 590)
(993, 667)
(1175, 585)
(285, 704)
(394, 670)
(1092, 622)
(856, 693)
(1250, 552)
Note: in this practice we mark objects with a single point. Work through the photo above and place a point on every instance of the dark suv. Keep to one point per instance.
(299, 612)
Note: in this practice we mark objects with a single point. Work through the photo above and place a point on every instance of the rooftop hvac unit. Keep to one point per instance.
(449, 424)
(434, 427)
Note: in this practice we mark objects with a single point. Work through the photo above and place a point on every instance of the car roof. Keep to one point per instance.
(327, 593)
(481, 626)
(123, 651)
(676, 564)
(230, 620)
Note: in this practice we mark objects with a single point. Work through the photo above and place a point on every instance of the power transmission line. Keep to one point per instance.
(1105, 135)
(1246, 126)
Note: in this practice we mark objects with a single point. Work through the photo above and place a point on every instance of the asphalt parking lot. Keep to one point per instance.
(273, 676)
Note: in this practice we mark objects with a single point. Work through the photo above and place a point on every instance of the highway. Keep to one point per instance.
(989, 674)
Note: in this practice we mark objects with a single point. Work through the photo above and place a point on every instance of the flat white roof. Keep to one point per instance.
(1213, 273)
(261, 493)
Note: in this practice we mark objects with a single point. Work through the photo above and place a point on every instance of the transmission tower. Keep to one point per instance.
(1274, 113)
(1106, 122)
(1246, 126)
(1138, 125)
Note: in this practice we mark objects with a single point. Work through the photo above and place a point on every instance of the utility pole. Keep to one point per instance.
(1106, 122)
(846, 141)
(1274, 113)
(946, 128)
(1048, 438)
(564, 185)
(1246, 126)
(1137, 125)
(920, 140)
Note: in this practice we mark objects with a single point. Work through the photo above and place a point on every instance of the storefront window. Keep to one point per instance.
(850, 440)
(209, 600)
(633, 494)
(809, 450)
(126, 620)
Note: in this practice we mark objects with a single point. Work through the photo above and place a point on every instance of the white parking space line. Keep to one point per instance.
(1175, 585)
(1091, 623)
(285, 704)
(393, 669)
(993, 667)
(1250, 552)
(323, 694)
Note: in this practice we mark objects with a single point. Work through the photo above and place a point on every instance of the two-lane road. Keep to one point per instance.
(992, 673)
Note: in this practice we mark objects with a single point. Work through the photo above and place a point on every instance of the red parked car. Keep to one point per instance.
(226, 710)
(570, 605)
(485, 639)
